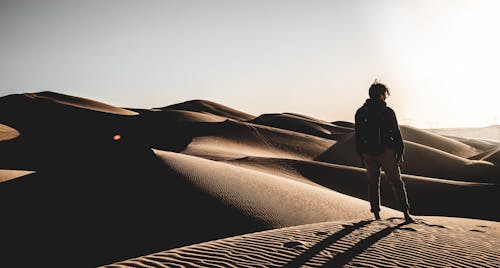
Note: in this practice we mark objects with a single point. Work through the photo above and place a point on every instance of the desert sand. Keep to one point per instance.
(200, 184)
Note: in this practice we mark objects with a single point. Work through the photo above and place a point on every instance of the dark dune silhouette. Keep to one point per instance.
(199, 171)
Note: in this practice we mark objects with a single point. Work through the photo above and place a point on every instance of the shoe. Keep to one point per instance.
(408, 218)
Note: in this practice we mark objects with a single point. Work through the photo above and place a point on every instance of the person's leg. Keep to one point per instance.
(391, 168)
(373, 170)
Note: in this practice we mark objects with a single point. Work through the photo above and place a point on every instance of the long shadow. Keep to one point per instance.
(323, 244)
(343, 258)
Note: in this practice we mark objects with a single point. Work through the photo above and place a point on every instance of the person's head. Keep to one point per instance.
(378, 91)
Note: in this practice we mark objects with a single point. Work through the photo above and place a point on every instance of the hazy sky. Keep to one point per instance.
(318, 58)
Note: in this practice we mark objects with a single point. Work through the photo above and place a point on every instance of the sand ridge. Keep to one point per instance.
(235, 139)
(8, 133)
(365, 243)
(78, 102)
(9, 174)
(210, 107)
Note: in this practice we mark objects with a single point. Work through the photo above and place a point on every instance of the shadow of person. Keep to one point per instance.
(340, 259)
(323, 244)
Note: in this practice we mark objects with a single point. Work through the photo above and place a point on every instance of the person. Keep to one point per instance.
(380, 145)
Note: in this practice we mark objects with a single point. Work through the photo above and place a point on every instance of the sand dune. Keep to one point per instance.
(7, 133)
(463, 199)
(180, 116)
(78, 102)
(420, 160)
(210, 107)
(235, 139)
(8, 174)
(438, 142)
(488, 133)
(430, 242)
(269, 198)
(344, 124)
(301, 124)
(106, 184)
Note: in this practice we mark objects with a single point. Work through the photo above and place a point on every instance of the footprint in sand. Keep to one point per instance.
(478, 231)
(320, 233)
(408, 229)
(295, 245)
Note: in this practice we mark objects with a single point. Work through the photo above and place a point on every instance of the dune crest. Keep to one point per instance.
(210, 107)
(79, 102)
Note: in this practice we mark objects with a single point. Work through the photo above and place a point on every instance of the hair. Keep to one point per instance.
(377, 89)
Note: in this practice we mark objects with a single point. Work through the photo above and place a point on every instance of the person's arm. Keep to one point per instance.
(358, 140)
(399, 143)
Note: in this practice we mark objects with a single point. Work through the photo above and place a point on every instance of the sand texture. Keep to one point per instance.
(366, 243)
(201, 184)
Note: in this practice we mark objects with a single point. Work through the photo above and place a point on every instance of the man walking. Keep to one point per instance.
(380, 145)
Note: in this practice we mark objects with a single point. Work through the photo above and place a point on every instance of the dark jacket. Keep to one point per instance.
(392, 135)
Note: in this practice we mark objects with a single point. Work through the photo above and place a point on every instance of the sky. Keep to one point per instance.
(439, 58)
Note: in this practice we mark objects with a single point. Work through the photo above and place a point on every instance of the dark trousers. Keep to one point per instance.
(387, 161)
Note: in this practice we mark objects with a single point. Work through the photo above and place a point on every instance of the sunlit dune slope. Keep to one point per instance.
(267, 197)
(420, 160)
(344, 124)
(182, 116)
(9, 174)
(7, 133)
(301, 124)
(430, 242)
(438, 142)
(480, 144)
(78, 102)
(234, 139)
(463, 199)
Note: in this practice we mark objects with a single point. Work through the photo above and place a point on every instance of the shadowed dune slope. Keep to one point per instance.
(52, 123)
(491, 155)
(430, 242)
(210, 107)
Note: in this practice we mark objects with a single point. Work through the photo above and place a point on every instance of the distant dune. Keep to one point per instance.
(487, 133)
(201, 184)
